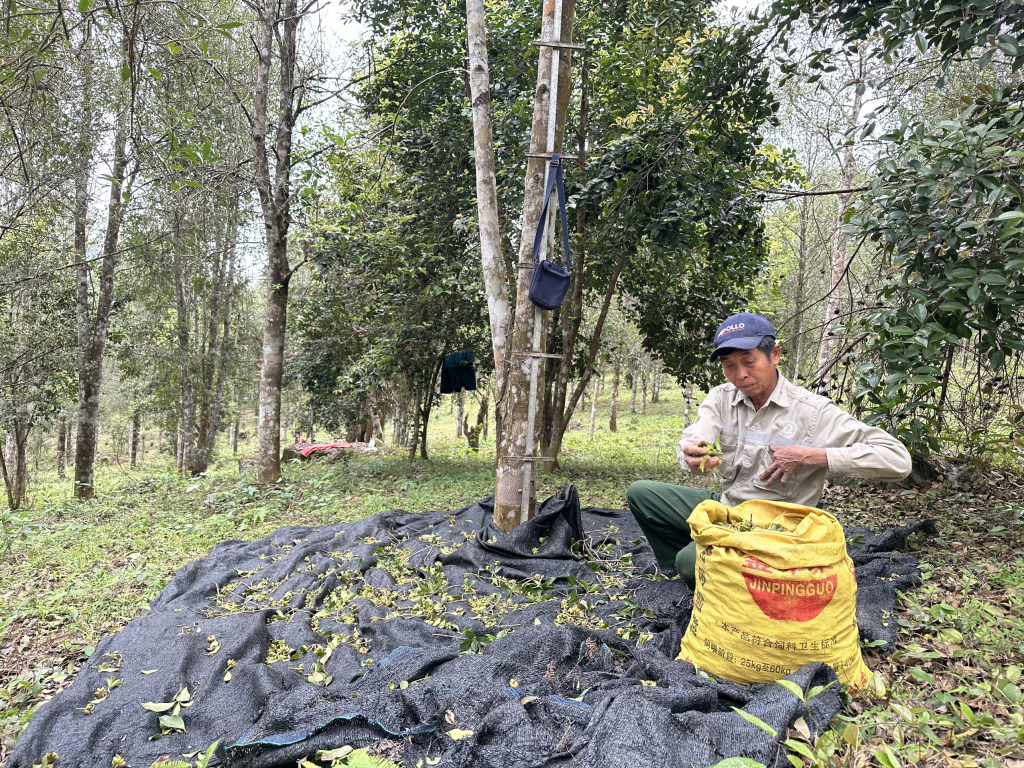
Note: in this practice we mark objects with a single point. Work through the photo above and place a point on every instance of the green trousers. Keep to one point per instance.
(661, 509)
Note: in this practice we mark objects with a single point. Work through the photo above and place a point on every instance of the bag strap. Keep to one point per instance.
(554, 177)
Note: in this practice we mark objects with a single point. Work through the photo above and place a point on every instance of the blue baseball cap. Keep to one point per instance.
(742, 331)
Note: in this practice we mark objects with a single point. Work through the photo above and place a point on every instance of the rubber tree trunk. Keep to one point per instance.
(613, 418)
(643, 392)
(593, 408)
(278, 27)
(460, 411)
(62, 436)
(513, 402)
(495, 286)
(687, 404)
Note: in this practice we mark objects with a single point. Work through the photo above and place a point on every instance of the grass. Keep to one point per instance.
(84, 570)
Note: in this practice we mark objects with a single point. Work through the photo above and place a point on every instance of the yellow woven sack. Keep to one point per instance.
(772, 598)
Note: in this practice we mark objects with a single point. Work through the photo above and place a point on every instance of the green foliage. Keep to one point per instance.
(952, 28)
(945, 212)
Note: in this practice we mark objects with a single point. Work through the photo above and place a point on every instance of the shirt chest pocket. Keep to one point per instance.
(732, 458)
(761, 460)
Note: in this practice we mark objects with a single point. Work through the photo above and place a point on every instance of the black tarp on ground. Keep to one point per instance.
(585, 674)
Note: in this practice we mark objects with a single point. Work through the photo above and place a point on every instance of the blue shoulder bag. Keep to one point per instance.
(550, 281)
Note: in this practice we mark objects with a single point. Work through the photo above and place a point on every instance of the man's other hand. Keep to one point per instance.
(696, 453)
(789, 459)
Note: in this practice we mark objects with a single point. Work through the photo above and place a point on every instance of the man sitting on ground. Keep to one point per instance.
(778, 442)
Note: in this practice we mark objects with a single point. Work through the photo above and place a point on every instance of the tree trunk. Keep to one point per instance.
(588, 371)
(643, 392)
(234, 435)
(460, 411)
(613, 424)
(11, 452)
(8, 475)
(655, 387)
(93, 325)
(839, 242)
(136, 429)
(593, 408)
(635, 383)
(208, 369)
(415, 440)
(572, 315)
(186, 424)
(62, 437)
(687, 404)
(513, 401)
(278, 22)
(427, 404)
(496, 288)
(180, 443)
(22, 427)
(484, 410)
(15, 462)
(210, 422)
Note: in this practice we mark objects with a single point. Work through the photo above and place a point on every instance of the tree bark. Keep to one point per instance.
(643, 391)
(635, 384)
(8, 476)
(495, 285)
(687, 404)
(136, 430)
(460, 411)
(209, 354)
(15, 462)
(514, 400)
(613, 420)
(62, 436)
(275, 197)
(593, 408)
(186, 424)
(93, 325)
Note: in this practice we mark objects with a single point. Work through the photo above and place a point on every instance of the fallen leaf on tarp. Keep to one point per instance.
(153, 706)
(172, 722)
(326, 756)
(458, 734)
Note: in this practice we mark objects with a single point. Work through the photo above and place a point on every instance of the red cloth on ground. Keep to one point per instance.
(311, 449)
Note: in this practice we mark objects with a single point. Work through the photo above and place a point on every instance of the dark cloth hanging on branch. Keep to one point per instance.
(458, 373)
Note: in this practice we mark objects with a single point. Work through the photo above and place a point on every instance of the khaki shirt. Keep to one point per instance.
(792, 416)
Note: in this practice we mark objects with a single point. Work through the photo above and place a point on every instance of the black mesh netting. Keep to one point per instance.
(554, 645)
